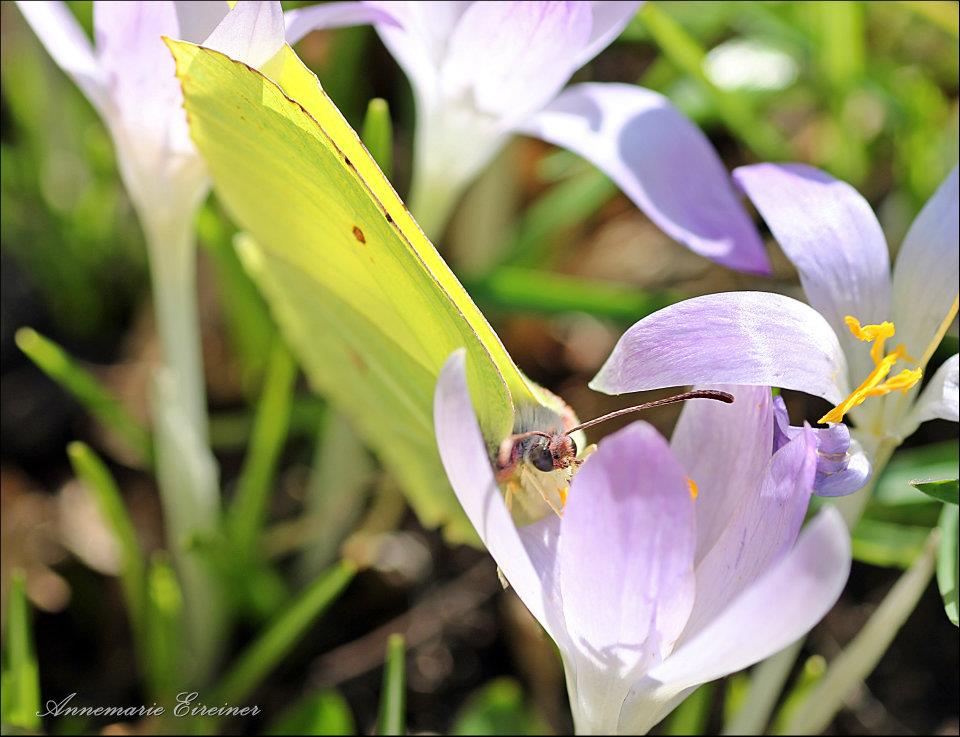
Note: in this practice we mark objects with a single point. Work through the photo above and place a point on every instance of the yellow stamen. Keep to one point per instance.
(694, 491)
(876, 384)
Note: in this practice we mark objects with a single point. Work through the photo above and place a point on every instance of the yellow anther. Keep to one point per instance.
(876, 334)
(694, 491)
(876, 384)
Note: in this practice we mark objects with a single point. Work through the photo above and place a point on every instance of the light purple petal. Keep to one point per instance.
(724, 449)
(661, 160)
(626, 551)
(300, 21)
(782, 606)
(842, 466)
(198, 18)
(610, 17)
(508, 59)
(925, 276)
(467, 463)
(253, 32)
(751, 338)
(65, 41)
(760, 530)
(419, 43)
(831, 235)
(939, 400)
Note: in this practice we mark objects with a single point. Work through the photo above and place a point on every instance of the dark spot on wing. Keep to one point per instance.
(358, 234)
(357, 360)
(389, 217)
(348, 162)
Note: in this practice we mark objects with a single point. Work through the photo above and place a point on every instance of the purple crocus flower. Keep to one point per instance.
(862, 343)
(482, 72)
(649, 587)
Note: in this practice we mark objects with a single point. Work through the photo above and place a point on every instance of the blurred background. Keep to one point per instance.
(561, 264)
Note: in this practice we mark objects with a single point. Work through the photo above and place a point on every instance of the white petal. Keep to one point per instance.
(64, 39)
(926, 273)
(253, 32)
(938, 400)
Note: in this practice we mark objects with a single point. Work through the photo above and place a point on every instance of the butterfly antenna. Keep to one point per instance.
(698, 394)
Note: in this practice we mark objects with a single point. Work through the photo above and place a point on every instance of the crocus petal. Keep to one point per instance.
(626, 551)
(507, 59)
(939, 400)
(253, 32)
(842, 465)
(925, 276)
(300, 21)
(831, 235)
(467, 463)
(661, 160)
(198, 18)
(610, 17)
(751, 338)
(783, 605)
(759, 531)
(727, 468)
(419, 43)
(65, 41)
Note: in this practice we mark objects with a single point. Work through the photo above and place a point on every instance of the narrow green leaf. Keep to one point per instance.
(691, 716)
(21, 673)
(163, 626)
(230, 431)
(944, 491)
(860, 657)
(249, 506)
(393, 697)
(684, 51)
(738, 687)
(519, 289)
(887, 544)
(279, 637)
(766, 683)
(133, 567)
(947, 560)
(59, 366)
(810, 674)
(324, 712)
(377, 134)
(499, 707)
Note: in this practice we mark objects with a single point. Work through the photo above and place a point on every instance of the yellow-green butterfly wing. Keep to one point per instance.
(363, 297)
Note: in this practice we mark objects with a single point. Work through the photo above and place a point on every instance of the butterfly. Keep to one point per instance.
(361, 295)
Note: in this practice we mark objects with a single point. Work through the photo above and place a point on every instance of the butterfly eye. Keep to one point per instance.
(541, 457)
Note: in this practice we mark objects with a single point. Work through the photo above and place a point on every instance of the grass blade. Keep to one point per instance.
(270, 426)
(21, 673)
(133, 567)
(377, 134)
(691, 716)
(393, 696)
(163, 612)
(275, 642)
(56, 363)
